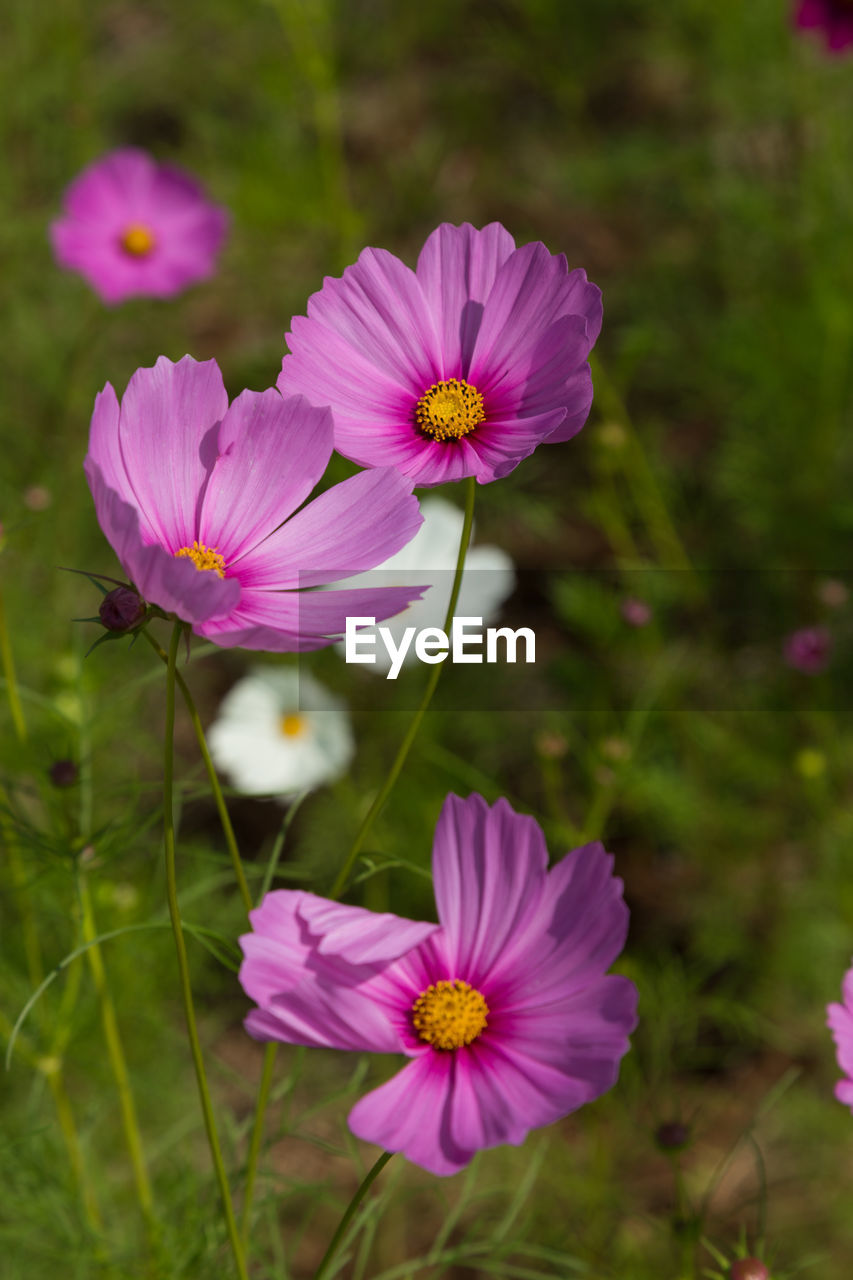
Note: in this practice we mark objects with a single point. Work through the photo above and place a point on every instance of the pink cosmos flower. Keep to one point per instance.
(131, 226)
(833, 17)
(839, 1019)
(459, 368)
(808, 650)
(503, 1008)
(197, 499)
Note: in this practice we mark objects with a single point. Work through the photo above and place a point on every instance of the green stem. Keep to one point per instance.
(183, 964)
(118, 1063)
(368, 1180)
(271, 1048)
(412, 732)
(219, 798)
(8, 664)
(52, 1069)
(257, 1135)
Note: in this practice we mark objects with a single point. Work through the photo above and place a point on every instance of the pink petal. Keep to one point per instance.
(360, 936)
(844, 1092)
(168, 416)
(500, 446)
(177, 586)
(839, 1019)
(811, 13)
(114, 187)
(567, 1061)
(378, 312)
(489, 1103)
(105, 454)
(575, 935)
(325, 1014)
(369, 406)
(582, 298)
(581, 1032)
(577, 397)
(456, 269)
(489, 870)
(353, 526)
(271, 454)
(295, 621)
(411, 1114)
(527, 298)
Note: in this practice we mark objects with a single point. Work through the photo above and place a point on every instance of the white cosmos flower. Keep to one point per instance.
(430, 560)
(267, 743)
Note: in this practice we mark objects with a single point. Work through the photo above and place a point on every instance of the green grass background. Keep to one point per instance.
(694, 157)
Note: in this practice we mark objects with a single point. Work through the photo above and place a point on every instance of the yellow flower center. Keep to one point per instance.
(449, 1014)
(138, 240)
(449, 410)
(203, 558)
(292, 724)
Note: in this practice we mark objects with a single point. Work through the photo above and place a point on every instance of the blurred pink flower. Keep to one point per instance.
(636, 612)
(198, 498)
(504, 1007)
(839, 1019)
(833, 17)
(459, 368)
(808, 650)
(131, 226)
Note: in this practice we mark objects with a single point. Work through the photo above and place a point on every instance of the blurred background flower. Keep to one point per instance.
(131, 226)
(833, 17)
(279, 732)
(808, 650)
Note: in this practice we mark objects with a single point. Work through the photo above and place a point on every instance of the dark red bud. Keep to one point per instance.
(63, 773)
(121, 610)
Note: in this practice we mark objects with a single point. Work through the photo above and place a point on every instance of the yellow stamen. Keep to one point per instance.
(449, 1014)
(292, 724)
(449, 410)
(138, 240)
(204, 558)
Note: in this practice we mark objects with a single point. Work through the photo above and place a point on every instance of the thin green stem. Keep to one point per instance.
(257, 1136)
(271, 1048)
(412, 731)
(219, 798)
(183, 963)
(118, 1063)
(335, 1243)
(52, 1069)
(8, 664)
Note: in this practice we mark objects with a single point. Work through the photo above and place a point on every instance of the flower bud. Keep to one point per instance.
(749, 1269)
(63, 773)
(121, 609)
